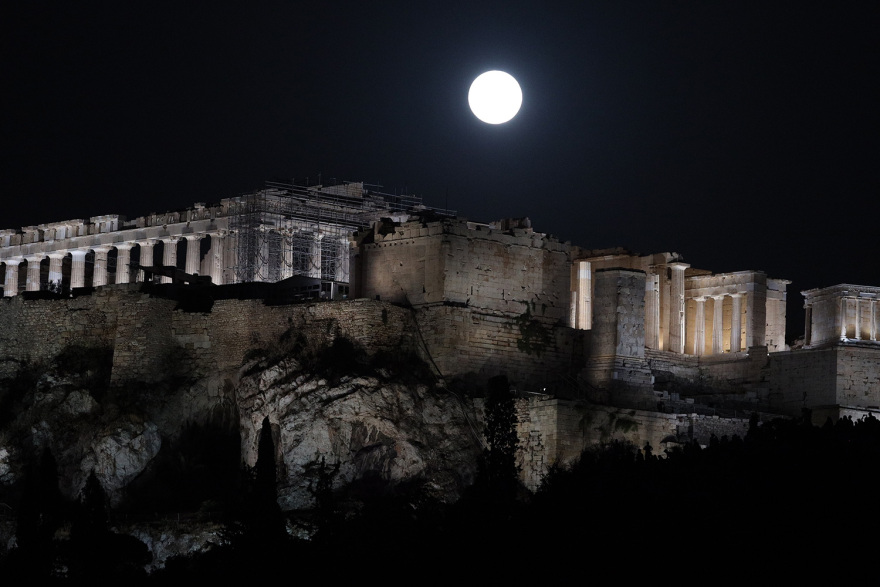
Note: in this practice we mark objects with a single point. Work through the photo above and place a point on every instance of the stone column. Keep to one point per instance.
(99, 276)
(808, 325)
(193, 253)
(261, 271)
(218, 245)
(123, 258)
(874, 320)
(342, 265)
(56, 276)
(315, 261)
(736, 323)
(842, 318)
(584, 308)
(652, 311)
(676, 307)
(858, 324)
(10, 286)
(286, 269)
(146, 258)
(700, 327)
(169, 255)
(32, 282)
(78, 268)
(717, 325)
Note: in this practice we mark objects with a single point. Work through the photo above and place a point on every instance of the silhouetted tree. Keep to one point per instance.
(500, 474)
(325, 503)
(40, 513)
(95, 550)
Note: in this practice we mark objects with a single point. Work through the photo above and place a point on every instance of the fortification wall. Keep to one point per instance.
(728, 372)
(35, 331)
(844, 375)
(464, 342)
(150, 335)
(554, 431)
(513, 271)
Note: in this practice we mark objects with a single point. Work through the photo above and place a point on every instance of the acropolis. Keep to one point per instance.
(683, 348)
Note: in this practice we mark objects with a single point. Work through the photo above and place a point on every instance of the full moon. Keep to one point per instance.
(495, 97)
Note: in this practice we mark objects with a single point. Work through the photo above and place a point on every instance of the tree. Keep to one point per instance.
(501, 471)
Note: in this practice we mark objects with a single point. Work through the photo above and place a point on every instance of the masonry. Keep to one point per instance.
(143, 331)
(599, 344)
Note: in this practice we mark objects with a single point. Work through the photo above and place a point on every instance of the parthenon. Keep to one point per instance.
(268, 235)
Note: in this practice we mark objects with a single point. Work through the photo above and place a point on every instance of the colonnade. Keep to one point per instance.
(859, 304)
(716, 336)
(842, 313)
(212, 265)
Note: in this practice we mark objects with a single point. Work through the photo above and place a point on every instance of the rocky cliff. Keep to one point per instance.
(180, 439)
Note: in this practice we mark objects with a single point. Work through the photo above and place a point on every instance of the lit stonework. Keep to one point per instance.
(842, 313)
(695, 312)
(269, 235)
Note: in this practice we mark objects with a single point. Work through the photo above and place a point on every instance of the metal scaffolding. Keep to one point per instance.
(287, 230)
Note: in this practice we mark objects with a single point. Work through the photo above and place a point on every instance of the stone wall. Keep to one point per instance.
(475, 265)
(35, 331)
(842, 375)
(554, 431)
(464, 342)
(617, 346)
(150, 335)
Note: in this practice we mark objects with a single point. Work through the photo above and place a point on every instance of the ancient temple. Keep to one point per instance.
(272, 234)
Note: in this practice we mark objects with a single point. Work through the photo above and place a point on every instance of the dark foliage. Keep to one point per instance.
(14, 390)
(197, 471)
(500, 472)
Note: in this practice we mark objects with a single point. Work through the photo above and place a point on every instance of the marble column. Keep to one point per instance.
(146, 257)
(717, 325)
(676, 307)
(261, 271)
(808, 325)
(218, 245)
(123, 258)
(652, 311)
(287, 254)
(10, 286)
(874, 320)
(858, 320)
(56, 261)
(32, 282)
(700, 327)
(342, 265)
(99, 276)
(843, 305)
(169, 255)
(78, 268)
(193, 254)
(736, 323)
(315, 260)
(584, 311)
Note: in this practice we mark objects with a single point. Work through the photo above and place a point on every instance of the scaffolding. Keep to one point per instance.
(287, 230)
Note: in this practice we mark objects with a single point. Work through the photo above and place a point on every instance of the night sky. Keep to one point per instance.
(743, 137)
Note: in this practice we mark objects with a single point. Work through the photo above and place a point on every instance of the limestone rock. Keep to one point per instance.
(120, 453)
(374, 429)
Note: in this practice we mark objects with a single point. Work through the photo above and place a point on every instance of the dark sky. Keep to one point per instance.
(742, 135)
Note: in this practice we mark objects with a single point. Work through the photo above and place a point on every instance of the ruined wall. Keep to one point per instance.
(465, 342)
(728, 372)
(453, 261)
(149, 335)
(842, 375)
(617, 347)
(553, 431)
(35, 331)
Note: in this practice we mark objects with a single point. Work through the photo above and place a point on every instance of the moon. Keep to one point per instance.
(495, 97)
